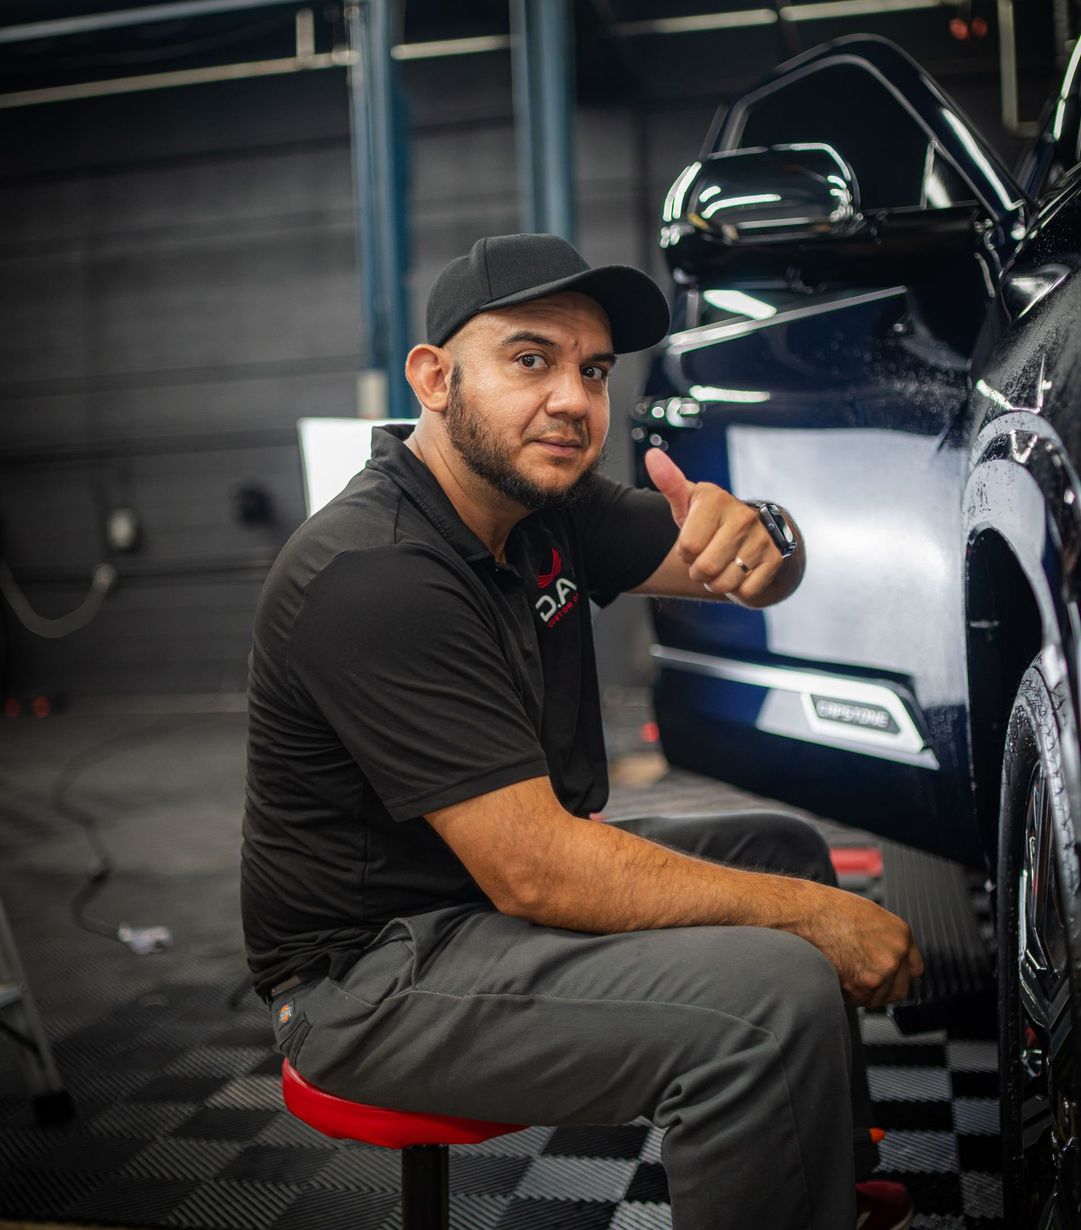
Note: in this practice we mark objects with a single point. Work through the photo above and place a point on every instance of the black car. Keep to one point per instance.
(878, 325)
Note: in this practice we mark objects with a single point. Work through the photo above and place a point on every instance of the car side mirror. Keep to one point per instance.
(773, 195)
(772, 210)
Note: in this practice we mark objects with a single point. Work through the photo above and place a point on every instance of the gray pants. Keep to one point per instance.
(735, 1040)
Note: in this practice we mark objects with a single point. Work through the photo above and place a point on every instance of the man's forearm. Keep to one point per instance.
(605, 879)
(536, 861)
(590, 877)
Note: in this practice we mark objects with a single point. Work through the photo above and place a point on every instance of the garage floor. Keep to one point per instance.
(168, 1056)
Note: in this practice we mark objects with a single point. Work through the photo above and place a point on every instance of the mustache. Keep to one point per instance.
(578, 436)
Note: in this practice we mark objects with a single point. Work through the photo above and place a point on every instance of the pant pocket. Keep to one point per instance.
(431, 932)
(384, 970)
(290, 1047)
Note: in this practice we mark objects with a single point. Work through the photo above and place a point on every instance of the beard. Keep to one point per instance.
(490, 460)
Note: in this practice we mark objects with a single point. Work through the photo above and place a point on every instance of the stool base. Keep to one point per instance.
(425, 1188)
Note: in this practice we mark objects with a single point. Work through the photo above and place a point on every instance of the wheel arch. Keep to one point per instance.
(1003, 633)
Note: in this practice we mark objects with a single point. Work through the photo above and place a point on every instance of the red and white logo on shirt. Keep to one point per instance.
(563, 595)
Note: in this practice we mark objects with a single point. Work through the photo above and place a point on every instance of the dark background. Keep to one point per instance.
(178, 282)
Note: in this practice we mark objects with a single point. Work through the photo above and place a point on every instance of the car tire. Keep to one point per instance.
(1040, 1079)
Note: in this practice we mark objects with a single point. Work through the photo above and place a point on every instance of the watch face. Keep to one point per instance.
(777, 526)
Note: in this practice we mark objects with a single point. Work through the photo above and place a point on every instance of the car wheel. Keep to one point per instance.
(1037, 1051)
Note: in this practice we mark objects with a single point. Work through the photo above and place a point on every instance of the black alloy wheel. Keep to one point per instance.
(1041, 1118)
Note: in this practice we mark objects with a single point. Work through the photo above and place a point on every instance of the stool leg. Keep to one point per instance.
(425, 1188)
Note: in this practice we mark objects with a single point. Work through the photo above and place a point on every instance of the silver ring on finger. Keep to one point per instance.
(746, 567)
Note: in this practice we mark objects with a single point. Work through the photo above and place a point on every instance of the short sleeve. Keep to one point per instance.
(626, 533)
(398, 654)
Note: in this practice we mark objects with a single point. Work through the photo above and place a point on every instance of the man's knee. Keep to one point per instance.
(797, 846)
(761, 974)
(773, 998)
(810, 979)
(762, 840)
(806, 1013)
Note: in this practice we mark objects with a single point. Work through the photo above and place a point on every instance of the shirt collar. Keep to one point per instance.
(391, 457)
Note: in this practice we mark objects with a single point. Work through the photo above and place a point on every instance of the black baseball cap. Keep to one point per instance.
(503, 270)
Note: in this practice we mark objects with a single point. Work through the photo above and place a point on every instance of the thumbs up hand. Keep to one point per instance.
(723, 546)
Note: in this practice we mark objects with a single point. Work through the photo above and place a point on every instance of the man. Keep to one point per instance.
(436, 921)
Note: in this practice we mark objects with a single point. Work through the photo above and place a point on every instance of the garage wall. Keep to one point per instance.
(178, 285)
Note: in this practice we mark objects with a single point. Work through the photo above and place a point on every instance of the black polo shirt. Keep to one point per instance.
(398, 668)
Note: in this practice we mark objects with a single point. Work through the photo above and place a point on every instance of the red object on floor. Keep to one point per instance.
(649, 732)
(881, 1205)
(375, 1125)
(856, 860)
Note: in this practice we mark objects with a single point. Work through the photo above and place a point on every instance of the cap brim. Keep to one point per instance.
(635, 305)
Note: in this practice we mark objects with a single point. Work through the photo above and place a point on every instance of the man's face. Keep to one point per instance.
(527, 407)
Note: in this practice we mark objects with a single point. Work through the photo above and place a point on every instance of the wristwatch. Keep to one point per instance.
(778, 527)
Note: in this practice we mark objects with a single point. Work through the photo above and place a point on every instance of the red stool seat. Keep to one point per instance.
(375, 1125)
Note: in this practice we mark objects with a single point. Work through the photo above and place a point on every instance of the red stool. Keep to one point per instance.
(422, 1139)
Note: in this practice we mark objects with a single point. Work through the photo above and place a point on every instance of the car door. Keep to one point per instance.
(834, 384)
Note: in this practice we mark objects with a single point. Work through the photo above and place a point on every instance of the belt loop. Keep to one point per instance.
(287, 984)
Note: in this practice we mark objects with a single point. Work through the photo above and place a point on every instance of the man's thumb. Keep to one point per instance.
(669, 480)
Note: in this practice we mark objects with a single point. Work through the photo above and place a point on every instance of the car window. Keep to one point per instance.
(723, 305)
(1041, 167)
(1057, 148)
(844, 105)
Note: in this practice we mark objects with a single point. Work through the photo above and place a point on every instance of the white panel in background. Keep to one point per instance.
(880, 513)
(332, 451)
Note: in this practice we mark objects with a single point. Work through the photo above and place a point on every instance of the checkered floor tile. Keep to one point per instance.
(179, 1122)
(203, 1141)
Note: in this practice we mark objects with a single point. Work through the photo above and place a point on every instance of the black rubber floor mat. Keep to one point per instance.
(179, 1118)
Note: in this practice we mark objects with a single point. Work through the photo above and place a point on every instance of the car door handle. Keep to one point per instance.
(665, 412)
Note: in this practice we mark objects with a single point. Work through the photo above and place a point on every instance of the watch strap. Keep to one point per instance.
(777, 525)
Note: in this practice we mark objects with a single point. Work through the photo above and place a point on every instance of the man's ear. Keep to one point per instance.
(428, 368)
